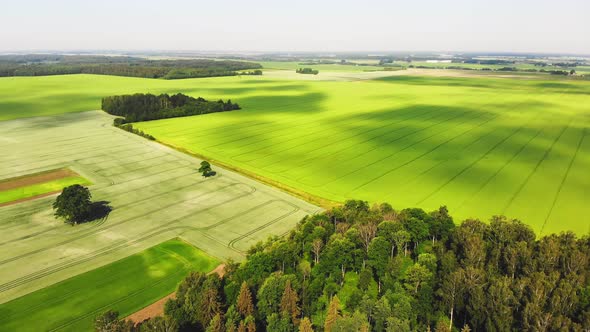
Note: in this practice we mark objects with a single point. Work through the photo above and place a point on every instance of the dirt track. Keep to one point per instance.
(157, 308)
(27, 180)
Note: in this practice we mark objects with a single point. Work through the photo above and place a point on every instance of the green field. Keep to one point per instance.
(40, 188)
(480, 145)
(126, 285)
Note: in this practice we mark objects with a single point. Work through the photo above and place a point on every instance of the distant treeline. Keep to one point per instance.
(513, 69)
(145, 107)
(43, 65)
(307, 71)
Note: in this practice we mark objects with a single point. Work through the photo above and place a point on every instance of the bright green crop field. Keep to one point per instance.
(40, 188)
(482, 146)
(126, 285)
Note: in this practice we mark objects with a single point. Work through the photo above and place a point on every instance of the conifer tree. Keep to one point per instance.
(289, 302)
(305, 325)
(245, 304)
(333, 314)
(216, 324)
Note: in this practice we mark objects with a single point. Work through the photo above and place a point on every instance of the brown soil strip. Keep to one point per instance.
(157, 308)
(30, 179)
(153, 310)
(29, 198)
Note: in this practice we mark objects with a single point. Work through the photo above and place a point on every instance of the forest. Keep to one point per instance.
(374, 268)
(145, 107)
(43, 65)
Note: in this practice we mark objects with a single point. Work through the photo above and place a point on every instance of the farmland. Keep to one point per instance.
(32, 186)
(125, 285)
(480, 145)
(156, 194)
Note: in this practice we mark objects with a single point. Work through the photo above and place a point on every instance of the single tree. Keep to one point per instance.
(108, 322)
(305, 325)
(245, 305)
(73, 204)
(333, 314)
(206, 170)
(317, 245)
(216, 324)
(289, 302)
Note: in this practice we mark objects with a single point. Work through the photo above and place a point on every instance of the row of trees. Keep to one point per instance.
(43, 65)
(145, 107)
(129, 127)
(362, 268)
(307, 71)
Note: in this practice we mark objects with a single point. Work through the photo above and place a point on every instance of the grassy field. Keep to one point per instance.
(156, 194)
(126, 285)
(40, 188)
(482, 146)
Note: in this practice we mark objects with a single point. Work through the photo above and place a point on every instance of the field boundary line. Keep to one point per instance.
(301, 194)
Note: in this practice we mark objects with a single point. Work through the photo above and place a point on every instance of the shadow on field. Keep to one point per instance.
(98, 211)
(234, 92)
(305, 103)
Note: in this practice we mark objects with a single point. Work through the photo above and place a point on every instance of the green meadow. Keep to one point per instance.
(40, 188)
(126, 285)
(482, 146)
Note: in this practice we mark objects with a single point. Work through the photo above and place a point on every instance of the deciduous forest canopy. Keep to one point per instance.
(361, 268)
(43, 65)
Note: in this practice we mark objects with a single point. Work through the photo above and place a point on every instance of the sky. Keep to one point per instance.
(534, 26)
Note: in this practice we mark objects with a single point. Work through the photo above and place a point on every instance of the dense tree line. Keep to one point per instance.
(307, 71)
(42, 65)
(145, 107)
(363, 268)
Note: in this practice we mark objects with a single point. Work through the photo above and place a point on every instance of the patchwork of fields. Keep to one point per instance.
(126, 286)
(32, 186)
(156, 194)
(482, 146)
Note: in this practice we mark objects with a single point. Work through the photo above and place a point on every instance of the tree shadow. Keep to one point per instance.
(98, 211)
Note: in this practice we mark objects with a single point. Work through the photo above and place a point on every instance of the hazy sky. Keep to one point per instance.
(561, 26)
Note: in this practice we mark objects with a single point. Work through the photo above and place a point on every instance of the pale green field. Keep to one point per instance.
(156, 194)
(40, 188)
(126, 286)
